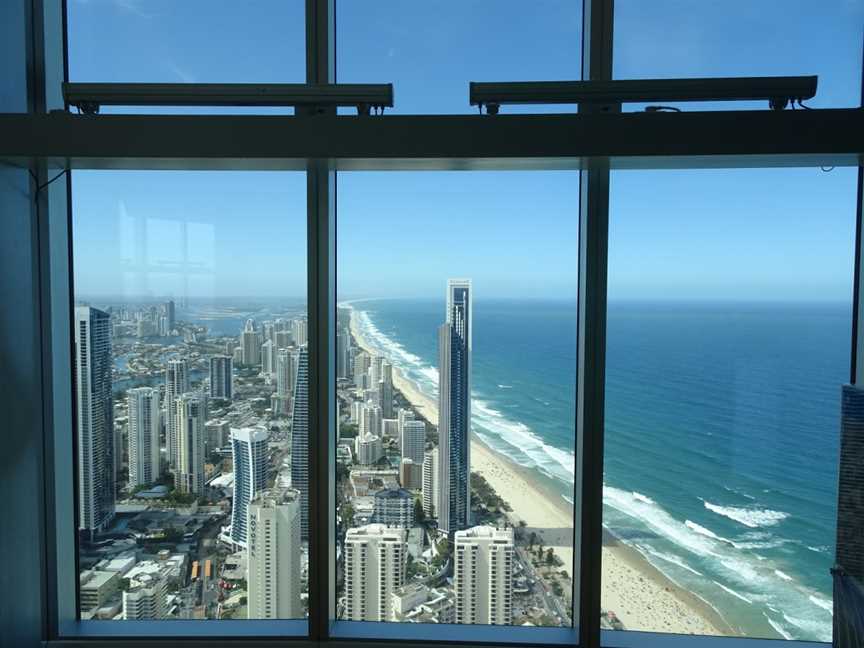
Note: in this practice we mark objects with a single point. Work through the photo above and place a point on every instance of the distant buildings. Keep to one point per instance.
(268, 357)
(300, 437)
(375, 564)
(394, 507)
(454, 408)
(410, 474)
(286, 369)
(249, 453)
(250, 344)
(144, 428)
(176, 383)
(94, 408)
(191, 416)
(343, 354)
(850, 506)
(222, 377)
(368, 449)
(431, 491)
(483, 575)
(370, 420)
(274, 556)
(385, 388)
(300, 330)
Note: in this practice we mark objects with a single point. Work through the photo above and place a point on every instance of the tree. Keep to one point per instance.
(419, 513)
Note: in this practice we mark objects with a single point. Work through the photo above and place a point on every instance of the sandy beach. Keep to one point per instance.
(639, 594)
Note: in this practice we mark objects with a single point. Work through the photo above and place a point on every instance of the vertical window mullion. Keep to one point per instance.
(591, 341)
(321, 307)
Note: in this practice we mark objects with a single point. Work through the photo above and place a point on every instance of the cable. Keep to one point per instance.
(42, 186)
(800, 103)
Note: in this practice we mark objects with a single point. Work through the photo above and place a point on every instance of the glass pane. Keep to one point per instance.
(190, 365)
(431, 51)
(674, 38)
(729, 324)
(456, 382)
(194, 41)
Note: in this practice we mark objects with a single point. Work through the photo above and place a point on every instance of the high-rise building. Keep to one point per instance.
(343, 354)
(394, 507)
(249, 454)
(95, 418)
(361, 370)
(410, 475)
(176, 383)
(370, 420)
(300, 438)
(144, 428)
(250, 343)
(300, 331)
(368, 449)
(286, 368)
(146, 598)
(282, 338)
(170, 314)
(385, 388)
(191, 417)
(430, 483)
(222, 377)
(454, 408)
(412, 441)
(483, 575)
(274, 555)
(268, 357)
(216, 435)
(375, 564)
(404, 414)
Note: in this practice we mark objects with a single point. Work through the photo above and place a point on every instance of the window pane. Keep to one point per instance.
(457, 295)
(191, 415)
(729, 324)
(431, 51)
(673, 39)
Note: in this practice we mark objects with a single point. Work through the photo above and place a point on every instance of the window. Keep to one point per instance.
(729, 320)
(466, 283)
(431, 51)
(190, 375)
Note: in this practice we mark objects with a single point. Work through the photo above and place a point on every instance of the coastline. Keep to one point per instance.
(641, 596)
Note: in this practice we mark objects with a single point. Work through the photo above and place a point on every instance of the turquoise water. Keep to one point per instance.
(722, 426)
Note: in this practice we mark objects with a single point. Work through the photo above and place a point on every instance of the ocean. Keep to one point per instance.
(722, 433)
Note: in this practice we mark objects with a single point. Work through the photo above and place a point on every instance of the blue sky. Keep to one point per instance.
(748, 234)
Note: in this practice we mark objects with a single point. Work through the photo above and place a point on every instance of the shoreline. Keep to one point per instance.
(640, 595)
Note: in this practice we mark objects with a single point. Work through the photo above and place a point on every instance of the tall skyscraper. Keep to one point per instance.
(274, 555)
(250, 344)
(268, 357)
(343, 353)
(385, 388)
(249, 453)
(144, 427)
(176, 383)
(222, 377)
(430, 483)
(95, 418)
(361, 370)
(191, 417)
(483, 575)
(412, 441)
(300, 438)
(370, 420)
(283, 338)
(170, 314)
(454, 408)
(375, 564)
(286, 368)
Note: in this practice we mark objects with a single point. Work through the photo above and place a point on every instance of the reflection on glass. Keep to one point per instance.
(191, 394)
(728, 340)
(455, 361)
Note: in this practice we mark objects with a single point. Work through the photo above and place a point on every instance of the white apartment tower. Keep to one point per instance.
(147, 599)
(375, 564)
(94, 407)
(176, 383)
(483, 575)
(385, 389)
(250, 344)
(191, 417)
(249, 453)
(300, 330)
(144, 426)
(274, 555)
(268, 357)
(412, 441)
